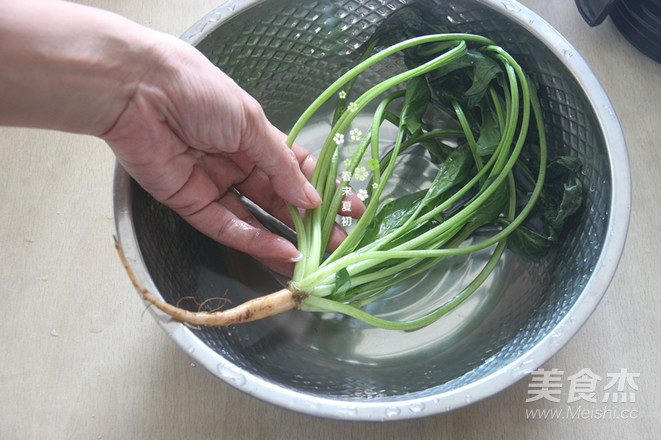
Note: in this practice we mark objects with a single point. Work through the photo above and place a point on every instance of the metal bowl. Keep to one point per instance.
(284, 54)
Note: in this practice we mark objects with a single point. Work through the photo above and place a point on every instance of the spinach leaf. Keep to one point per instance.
(444, 72)
(455, 170)
(485, 69)
(561, 197)
(491, 209)
(392, 215)
(562, 166)
(489, 132)
(572, 199)
(466, 80)
(438, 150)
(450, 82)
(530, 243)
(416, 100)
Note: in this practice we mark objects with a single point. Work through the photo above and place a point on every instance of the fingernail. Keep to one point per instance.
(297, 258)
(312, 194)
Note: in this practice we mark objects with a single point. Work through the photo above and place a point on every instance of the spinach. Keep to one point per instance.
(489, 132)
(560, 199)
(486, 89)
(416, 101)
(485, 69)
(492, 170)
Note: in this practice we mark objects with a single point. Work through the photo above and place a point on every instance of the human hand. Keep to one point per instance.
(180, 127)
(189, 135)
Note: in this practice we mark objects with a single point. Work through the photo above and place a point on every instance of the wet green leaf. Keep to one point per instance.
(392, 215)
(489, 132)
(438, 150)
(572, 200)
(416, 100)
(455, 170)
(562, 166)
(494, 205)
(485, 69)
(529, 243)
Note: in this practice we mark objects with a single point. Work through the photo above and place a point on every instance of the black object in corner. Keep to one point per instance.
(639, 21)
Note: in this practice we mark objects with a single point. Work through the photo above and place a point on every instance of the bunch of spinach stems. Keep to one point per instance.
(379, 253)
(493, 104)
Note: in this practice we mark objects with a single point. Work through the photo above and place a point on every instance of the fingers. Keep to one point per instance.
(276, 173)
(265, 146)
(338, 234)
(256, 186)
(230, 223)
(223, 217)
(279, 266)
(307, 162)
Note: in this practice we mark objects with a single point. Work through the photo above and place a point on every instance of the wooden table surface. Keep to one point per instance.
(80, 360)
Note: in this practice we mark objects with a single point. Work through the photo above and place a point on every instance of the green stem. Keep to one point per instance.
(468, 134)
(329, 306)
(401, 253)
(368, 140)
(364, 260)
(342, 125)
(359, 68)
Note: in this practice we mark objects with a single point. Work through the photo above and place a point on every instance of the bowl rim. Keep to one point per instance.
(417, 407)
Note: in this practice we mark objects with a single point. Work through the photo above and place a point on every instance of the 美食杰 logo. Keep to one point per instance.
(586, 394)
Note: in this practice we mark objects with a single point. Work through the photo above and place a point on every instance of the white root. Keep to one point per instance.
(252, 310)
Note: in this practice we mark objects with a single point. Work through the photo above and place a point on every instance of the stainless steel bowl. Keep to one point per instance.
(286, 52)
